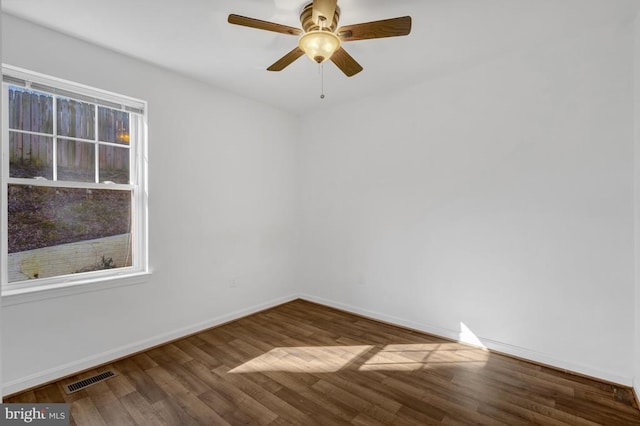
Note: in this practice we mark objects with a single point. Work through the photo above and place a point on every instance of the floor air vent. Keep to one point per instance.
(81, 384)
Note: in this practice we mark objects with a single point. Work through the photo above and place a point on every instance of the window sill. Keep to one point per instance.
(34, 294)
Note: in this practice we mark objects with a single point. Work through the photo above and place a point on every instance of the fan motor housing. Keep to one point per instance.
(306, 19)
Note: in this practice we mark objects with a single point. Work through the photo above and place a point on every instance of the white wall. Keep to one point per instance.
(499, 199)
(221, 208)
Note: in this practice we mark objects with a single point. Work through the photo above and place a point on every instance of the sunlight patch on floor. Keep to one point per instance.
(313, 359)
(413, 357)
(395, 357)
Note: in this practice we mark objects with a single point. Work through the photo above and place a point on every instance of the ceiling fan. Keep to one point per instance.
(321, 39)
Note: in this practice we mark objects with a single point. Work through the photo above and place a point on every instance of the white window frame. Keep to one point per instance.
(85, 281)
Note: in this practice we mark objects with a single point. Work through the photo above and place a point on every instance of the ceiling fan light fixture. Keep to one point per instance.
(319, 45)
(321, 38)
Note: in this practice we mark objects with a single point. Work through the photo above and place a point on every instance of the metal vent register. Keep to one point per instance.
(81, 384)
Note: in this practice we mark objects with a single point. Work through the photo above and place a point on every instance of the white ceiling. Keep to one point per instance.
(193, 38)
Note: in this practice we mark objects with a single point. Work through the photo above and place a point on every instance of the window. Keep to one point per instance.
(73, 183)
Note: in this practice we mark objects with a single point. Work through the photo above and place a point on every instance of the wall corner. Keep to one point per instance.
(636, 195)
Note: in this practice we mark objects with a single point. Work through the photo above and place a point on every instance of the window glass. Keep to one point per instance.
(113, 126)
(76, 119)
(30, 156)
(114, 164)
(30, 111)
(76, 161)
(61, 231)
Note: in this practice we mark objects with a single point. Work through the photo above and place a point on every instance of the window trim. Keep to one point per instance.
(68, 89)
(87, 281)
(34, 294)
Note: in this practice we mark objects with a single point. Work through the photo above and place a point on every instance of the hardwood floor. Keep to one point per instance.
(303, 364)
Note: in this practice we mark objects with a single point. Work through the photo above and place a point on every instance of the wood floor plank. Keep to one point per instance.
(252, 384)
(23, 398)
(196, 352)
(143, 361)
(84, 412)
(301, 363)
(120, 386)
(356, 385)
(456, 409)
(141, 381)
(141, 411)
(191, 382)
(114, 413)
(181, 395)
(249, 395)
(172, 413)
(356, 400)
(363, 419)
(49, 393)
(225, 408)
(310, 408)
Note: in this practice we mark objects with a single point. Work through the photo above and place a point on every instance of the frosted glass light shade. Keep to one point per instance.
(319, 45)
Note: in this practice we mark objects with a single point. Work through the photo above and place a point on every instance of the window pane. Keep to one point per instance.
(113, 126)
(114, 164)
(30, 156)
(76, 161)
(29, 110)
(76, 119)
(60, 231)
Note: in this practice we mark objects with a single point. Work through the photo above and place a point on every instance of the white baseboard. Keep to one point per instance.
(73, 367)
(504, 348)
(636, 389)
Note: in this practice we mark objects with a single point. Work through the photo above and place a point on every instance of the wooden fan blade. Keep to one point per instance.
(346, 63)
(263, 25)
(377, 29)
(325, 9)
(286, 60)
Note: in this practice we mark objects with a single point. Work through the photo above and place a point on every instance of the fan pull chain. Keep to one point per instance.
(321, 81)
(321, 24)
